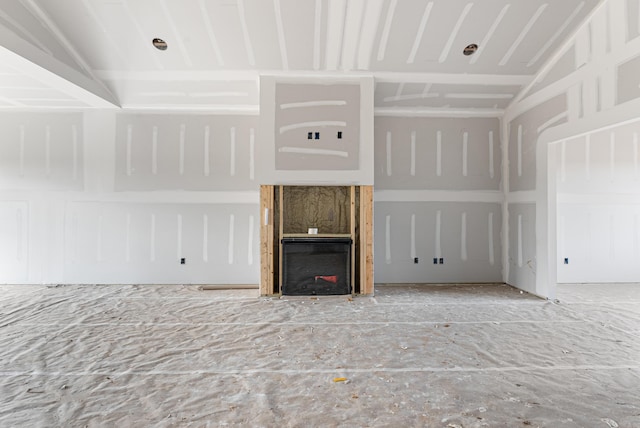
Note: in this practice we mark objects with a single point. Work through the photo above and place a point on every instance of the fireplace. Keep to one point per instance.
(316, 266)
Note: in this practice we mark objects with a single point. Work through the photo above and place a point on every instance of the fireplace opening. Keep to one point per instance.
(316, 266)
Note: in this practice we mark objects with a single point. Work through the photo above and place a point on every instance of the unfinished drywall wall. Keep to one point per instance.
(300, 119)
(317, 127)
(84, 200)
(522, 256)
(594, 93)
(598, 222)
(437, 197)
(185, 152)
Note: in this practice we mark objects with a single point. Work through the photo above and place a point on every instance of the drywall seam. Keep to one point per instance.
(438, 232)
(420, 33)
(413, 236)
(492, 258)
(413, 154)
(485, 41)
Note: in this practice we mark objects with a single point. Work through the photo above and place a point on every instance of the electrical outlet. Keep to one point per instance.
(441, 261)
(435, 261)
(183, 261)
(317, 135)
(309, 135)
(339, 135)
(416, 260)
(566, 260)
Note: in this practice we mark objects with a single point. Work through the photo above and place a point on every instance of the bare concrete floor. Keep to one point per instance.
(435, 356)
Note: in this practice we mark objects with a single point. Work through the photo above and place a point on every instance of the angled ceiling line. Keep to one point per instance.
(427, 88)
(277, 10)
(400, 89)
(143, 36)
(352, 33)
(48, 23)
(210, 33)
(368, 32)
(420, 33)
(523, 34)
(557, 34)
(489, 35)
(245, 33)
(176, 33)
(384, 39)
(26, 32)
(566, 45)
(316, 35)
(454, 33)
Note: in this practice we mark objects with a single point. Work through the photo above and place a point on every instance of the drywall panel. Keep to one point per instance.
(605, 162)
(465, 236)
(628, 81)
(25, 20)
(144, 243)
(185, 152)
(326, 105)
(598, 242)
(41, 151)
(598, 220)
(633, 19)
(523, 137)
(437, 153)
(522, 246)
(14, 235)
(317, 126)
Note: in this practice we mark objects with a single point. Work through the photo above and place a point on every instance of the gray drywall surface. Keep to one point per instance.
(320, 112)
(437, 153)
(41, 151)
(185, 152)
(522, 246)
(627, 79)
(523, 138)
(465, 235)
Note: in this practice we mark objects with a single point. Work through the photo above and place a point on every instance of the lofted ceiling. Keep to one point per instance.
(217, 49)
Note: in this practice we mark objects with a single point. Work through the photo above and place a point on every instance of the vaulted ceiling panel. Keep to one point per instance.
(304, 30)
(269, 45)
(399, 39)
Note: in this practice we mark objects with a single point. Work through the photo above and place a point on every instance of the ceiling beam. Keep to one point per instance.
(31, 61)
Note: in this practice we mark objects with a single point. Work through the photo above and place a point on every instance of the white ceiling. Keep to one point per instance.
(218, 48)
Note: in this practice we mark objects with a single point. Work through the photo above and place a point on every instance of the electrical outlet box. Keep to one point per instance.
(415, 260)
(441, 261)
(566, 260)
(435, 261)
(183, 261)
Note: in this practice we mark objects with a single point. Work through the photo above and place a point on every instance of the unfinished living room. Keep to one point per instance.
(349, 213)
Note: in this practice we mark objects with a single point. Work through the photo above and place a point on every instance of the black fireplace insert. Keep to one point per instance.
(316, 266)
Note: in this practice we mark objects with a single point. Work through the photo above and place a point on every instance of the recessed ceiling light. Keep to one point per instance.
(470, 49)
(160, 44)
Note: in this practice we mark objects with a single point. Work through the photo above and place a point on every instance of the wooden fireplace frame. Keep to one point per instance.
(271, 233)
